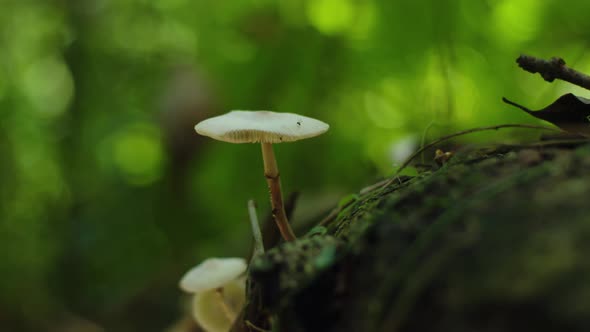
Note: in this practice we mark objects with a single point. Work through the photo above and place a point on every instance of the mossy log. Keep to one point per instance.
(496, 239)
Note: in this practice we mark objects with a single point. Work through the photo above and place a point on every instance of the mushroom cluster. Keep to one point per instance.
(267, 128)
(218, 284)
(219, 291)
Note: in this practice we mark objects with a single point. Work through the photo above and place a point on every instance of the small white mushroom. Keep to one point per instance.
(265, 127)
(216, 311)
(219, 291)
(212, 273)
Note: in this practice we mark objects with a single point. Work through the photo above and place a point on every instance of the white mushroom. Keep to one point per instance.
(216, 311)
(212, 273)
(266, 128)
(219, 291)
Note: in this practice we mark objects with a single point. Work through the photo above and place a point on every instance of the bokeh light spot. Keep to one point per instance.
(510, 25)
(49, 86)
(138, 154)
(330, 16)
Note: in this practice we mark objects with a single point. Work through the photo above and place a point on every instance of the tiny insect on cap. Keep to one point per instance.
(212, 273)
(260, 127)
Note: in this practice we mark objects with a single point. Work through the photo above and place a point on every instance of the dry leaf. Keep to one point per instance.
(569, 112)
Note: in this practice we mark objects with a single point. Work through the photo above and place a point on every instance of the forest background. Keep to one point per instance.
(107, 195)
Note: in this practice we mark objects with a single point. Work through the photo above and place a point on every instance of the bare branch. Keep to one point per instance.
(552, 69)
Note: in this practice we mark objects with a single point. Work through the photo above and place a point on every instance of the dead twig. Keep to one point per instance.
(333, 214)
(460, 133)
(552, 69)
(366, 190)
(395, 177)
(510, 102)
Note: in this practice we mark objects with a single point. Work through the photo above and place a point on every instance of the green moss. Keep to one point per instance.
(488, 241)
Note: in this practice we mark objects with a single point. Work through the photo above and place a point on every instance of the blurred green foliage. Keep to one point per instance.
(106, 193)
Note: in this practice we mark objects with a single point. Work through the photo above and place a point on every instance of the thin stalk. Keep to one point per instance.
(227, 311)
(258, 244)
(271, 172)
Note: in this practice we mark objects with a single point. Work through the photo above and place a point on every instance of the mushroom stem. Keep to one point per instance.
(227, 311)
(271, 172)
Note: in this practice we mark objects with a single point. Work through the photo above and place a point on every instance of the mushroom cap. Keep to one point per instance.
(260, 126)
(212, 273)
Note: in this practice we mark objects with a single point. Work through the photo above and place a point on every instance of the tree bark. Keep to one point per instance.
(494, 240)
